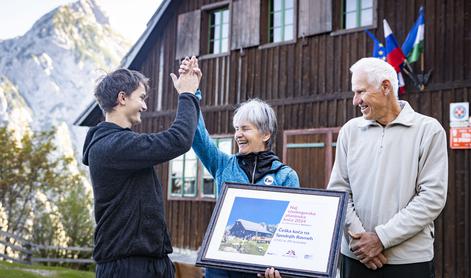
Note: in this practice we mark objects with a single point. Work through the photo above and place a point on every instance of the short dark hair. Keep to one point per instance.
(120, 80)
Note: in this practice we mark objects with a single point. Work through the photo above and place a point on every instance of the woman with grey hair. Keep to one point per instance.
(255, 127)
(254, 123)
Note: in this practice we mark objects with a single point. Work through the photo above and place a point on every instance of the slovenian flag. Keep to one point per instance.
(394, 55)
(413, 46)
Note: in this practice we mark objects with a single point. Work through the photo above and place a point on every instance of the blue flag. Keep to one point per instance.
(379, 51)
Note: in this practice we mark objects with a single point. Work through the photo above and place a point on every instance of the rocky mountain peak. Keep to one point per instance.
(54, 65)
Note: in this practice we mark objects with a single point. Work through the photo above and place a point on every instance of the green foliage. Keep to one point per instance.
(77, 222)
(42, 197)
(27, 167)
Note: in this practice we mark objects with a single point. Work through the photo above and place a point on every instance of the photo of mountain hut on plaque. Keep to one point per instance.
(251, 225)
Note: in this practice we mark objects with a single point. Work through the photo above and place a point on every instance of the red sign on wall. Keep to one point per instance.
(460, 137)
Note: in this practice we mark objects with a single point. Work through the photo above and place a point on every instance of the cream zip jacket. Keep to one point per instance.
(397, 178)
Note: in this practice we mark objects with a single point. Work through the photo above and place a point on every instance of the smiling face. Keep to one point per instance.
(134, 104)
(373, 101)
(249, 138)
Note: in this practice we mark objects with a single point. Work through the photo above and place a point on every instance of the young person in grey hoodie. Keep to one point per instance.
(131, 237)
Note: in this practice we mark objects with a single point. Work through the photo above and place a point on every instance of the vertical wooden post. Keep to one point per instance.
(28, 254)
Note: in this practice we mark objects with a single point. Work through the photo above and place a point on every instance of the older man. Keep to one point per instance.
(393, 163)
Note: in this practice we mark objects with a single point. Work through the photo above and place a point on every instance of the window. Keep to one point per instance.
(281, 20)
(183, 175)
(208, 184)
(218, 31)
(357, 13)
(189, 179)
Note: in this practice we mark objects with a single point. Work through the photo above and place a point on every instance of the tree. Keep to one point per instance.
(42, 198)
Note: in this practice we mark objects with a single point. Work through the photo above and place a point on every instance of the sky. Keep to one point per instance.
(257, 210)
(128, 17)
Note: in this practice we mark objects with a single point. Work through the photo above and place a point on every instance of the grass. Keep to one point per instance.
(244, 246)
(13, 270)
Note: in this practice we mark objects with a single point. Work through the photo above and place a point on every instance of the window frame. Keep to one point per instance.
(358, 13)
(271, 16)
(217, 139)
(206, 25)
(265, 25)
(220, 37)
(182, 194)
(198, 196)
(340, 25)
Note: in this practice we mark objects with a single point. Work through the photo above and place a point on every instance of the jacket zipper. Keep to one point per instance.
(254, 167)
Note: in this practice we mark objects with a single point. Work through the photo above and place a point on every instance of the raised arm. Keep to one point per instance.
(135, 151)
(209, 154)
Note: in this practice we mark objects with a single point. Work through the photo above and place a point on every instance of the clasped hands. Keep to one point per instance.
(368, 249)
(366, 246)
(189, 76)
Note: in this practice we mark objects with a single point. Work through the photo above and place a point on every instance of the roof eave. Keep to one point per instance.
(129, 57)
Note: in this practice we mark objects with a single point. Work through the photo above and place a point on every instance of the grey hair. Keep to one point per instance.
(376, 71)
(258, 113)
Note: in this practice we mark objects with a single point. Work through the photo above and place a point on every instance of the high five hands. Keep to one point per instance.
(366, 246)
(189, 76)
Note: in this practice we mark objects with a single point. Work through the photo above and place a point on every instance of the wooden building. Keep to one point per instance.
(247, 229)
(296, 55)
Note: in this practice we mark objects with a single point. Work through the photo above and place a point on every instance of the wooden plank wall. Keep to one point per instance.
(308, 84)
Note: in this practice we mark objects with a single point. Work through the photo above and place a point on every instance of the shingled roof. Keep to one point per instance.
(253, 227)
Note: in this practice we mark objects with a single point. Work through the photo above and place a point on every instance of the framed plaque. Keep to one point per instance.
(295, 230)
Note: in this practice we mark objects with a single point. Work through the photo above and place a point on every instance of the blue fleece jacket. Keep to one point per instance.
(225, 168)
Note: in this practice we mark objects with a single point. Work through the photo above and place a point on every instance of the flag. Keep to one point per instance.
(394, 55)
(413, 46)
(402, 84)
(379, 51)
(378, 48)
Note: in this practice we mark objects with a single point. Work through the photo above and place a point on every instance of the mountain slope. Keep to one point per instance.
(55, 64)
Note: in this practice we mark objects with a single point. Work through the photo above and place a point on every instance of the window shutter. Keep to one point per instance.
(188, 34)
(245, 23)
(315, 17)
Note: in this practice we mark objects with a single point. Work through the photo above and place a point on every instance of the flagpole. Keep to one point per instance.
(408, 70)
(422, 57)
(422, 68)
